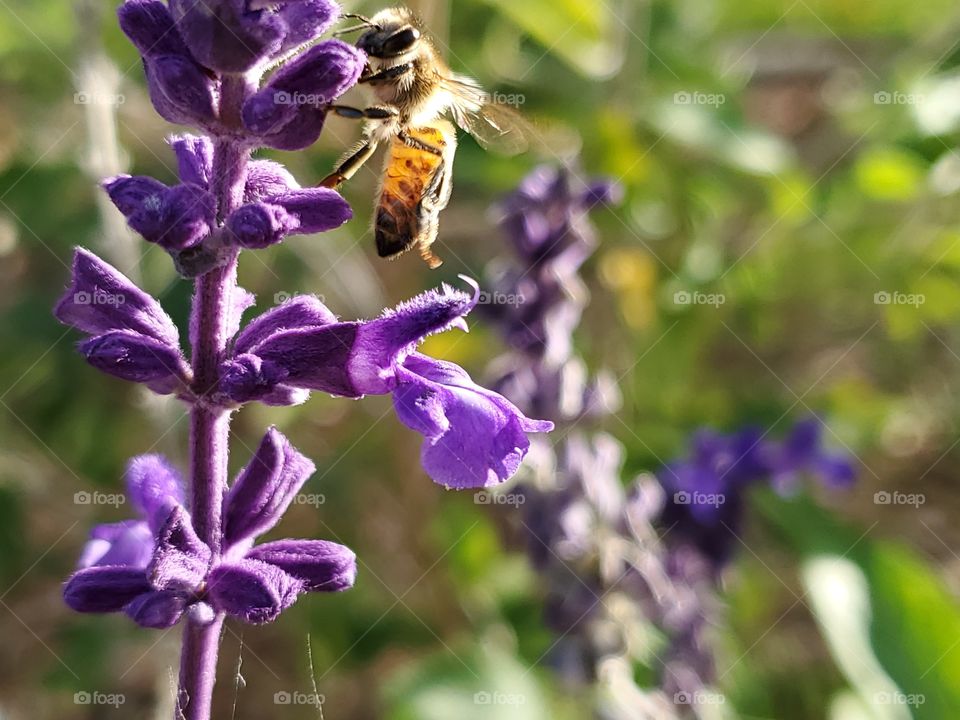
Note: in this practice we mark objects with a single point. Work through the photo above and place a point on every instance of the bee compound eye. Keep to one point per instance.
(400, 42)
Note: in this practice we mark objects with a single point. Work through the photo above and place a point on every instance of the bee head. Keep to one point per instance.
(394, 33)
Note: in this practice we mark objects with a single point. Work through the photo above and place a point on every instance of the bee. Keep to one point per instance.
(414, 88)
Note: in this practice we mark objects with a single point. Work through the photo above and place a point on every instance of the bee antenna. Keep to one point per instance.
(365, 22)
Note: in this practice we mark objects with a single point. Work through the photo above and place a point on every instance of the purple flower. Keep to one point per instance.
(181, 89)
(288, 112)
(706, 491)
(181, 575)
(233, 36)
(299, 212)
(473, 437)
(153, 487)
(175, 218)
(131, 336)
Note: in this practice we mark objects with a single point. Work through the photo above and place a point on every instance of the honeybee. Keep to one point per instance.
(414, 89)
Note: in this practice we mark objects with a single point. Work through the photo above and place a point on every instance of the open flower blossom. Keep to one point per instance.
(156, 569)
(473, 437)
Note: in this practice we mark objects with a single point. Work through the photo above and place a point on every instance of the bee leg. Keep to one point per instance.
(419, 144)
(389, 74)
(349, 167)
(377, 112)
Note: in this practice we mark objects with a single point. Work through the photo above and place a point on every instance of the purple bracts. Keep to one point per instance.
(161, 570)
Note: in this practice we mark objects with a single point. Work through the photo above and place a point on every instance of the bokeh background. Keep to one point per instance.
(795, 158)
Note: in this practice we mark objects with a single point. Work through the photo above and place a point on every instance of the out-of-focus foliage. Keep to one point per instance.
(788, 246)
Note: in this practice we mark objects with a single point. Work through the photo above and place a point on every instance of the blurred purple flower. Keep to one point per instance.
(706, 491)
(180, 574)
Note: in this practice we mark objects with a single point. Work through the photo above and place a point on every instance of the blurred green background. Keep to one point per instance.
(795, 158)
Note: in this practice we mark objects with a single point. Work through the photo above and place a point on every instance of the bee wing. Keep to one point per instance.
(495, 126)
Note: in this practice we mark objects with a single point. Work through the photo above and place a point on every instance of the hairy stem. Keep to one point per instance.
(210, 425)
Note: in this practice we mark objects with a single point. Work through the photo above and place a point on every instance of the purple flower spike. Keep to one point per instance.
(319, 564)
(175, 218)
(233, 36)
(264, 489)
(253, 591)
(288, 112)
(181, 89)
(474, 437)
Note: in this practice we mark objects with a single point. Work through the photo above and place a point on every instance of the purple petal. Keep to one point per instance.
(149, 26)
(227, 37)
(315, 209)
(474, 437)
(180, 90)
(159, 609)
(265, 488)
(384, 342)
(175, 218)
(301, 311)
(310, 358)
(138, 358)
(307, 20)
(247, 378)
(155, 487)
(253, 591)
(104, 589)
(181, 559)
(321, 565)
(288, 112)
(259, 225)
(100, 299)
(128, 542)
(266, 178)
(194, 158)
